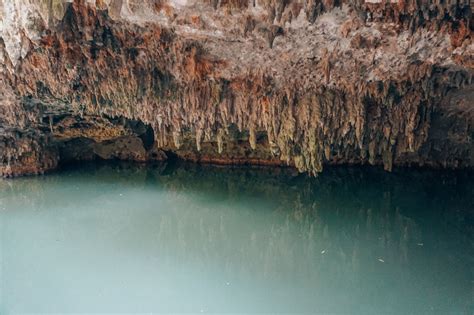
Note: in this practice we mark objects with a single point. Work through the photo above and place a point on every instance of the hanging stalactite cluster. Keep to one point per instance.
(334, 105)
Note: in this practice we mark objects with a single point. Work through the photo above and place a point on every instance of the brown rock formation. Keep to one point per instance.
(303, 83)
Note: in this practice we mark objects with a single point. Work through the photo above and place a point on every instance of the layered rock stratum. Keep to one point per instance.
(303, 83)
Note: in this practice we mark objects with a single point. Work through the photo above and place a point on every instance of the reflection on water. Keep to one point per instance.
(186, 238)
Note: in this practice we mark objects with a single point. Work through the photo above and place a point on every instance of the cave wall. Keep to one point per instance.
(300, 83)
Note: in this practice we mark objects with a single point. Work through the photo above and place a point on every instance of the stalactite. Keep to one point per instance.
(95, 66)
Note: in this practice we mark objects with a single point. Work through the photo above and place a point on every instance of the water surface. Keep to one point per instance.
(186, 238)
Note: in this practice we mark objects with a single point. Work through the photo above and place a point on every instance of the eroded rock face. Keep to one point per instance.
(303, 83)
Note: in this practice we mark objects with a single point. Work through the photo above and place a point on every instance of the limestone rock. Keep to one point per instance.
(300, 82)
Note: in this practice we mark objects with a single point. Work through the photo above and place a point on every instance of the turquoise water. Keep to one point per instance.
(201, 239)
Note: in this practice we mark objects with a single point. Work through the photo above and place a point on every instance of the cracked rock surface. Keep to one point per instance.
(300, 82)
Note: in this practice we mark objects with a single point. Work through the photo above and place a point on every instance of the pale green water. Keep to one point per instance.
(130, 239)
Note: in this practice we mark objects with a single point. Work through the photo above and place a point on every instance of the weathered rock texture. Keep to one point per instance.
(298, 82)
